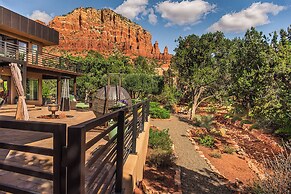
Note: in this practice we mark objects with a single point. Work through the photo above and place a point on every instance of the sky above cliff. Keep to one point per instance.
(167, 20)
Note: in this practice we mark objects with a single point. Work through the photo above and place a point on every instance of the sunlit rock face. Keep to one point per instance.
(104, 31)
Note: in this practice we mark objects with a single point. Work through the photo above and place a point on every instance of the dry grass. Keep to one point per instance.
(277, 175)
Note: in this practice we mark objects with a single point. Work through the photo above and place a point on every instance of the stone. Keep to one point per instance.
(106, 32)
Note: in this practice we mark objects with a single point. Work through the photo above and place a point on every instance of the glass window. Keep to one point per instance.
(34, 54)
(22, 50)
(32, 89)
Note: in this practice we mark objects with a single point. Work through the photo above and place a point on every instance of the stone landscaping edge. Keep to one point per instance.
(253, 165)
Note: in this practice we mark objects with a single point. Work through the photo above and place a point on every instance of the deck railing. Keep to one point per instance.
(35, 57)
(58, 176)
(103, 171)
(83, 165)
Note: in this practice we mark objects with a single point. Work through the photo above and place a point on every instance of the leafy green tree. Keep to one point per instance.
(251, 69)
(141, 85)
(199, 61)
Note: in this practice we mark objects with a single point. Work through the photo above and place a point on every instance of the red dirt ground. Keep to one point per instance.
(160, 180)
(230, 166)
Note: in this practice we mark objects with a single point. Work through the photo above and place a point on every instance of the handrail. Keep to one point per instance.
(34, 57)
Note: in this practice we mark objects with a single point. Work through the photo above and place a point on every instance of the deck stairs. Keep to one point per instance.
(8, 108)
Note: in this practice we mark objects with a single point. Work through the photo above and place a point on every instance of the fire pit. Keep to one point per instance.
(53, 108)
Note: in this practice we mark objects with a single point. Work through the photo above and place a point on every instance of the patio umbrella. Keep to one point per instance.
(21, 111)
(65, 100)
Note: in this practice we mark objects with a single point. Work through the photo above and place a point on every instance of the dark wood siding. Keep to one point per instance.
(12, 20)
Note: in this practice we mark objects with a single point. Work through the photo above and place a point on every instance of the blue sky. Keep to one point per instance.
(167, 20)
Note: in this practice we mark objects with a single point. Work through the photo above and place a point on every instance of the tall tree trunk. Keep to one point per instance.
(196, 95)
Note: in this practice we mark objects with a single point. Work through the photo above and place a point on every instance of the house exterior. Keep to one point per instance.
(22, 41)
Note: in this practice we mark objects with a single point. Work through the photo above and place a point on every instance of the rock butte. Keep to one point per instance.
(105, 31)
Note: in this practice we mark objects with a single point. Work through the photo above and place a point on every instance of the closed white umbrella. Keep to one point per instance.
(21, 111)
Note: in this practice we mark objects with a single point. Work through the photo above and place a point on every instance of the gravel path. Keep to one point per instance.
(196, 175)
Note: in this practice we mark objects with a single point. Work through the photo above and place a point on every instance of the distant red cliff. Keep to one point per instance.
(105, 31)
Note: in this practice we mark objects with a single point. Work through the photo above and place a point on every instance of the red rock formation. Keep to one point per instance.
(105, 31)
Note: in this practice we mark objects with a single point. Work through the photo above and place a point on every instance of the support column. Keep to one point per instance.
(59, 89)
(75, 87)
(24, 77)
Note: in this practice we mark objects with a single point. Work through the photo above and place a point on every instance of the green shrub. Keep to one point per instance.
(228, 149)
(207, 141)
(204, 121)
(160, 139)
(236, 118)
(161, 158)
(286, 131)
(158, 112)
(255, 126)
(215, 155)
(245, 122)
(211, 109)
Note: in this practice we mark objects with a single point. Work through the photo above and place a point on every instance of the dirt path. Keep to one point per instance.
(196, 175)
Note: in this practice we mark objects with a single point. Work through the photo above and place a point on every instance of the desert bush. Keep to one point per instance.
(211, 109)
(161, 152)
(277, 174)
(228, 149)
(245, 122)
(161, 158)
(215, 155)
(156, 111)
(236, 118)
(207, 141)
(160, 139)
(204, 121)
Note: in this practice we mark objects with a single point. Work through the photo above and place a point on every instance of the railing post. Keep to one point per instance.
(120, 149)
(76, 161)
(143, 115)
(134, 130)
(59, 142)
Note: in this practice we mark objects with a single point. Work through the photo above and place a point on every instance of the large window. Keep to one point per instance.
(32, 89)
(35, 54)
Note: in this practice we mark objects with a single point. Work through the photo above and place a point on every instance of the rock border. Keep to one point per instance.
(252, 164)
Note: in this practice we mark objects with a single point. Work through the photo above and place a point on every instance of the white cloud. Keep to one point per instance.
(255, 15)
(132, 8)
(41, 15)
(187, 28)
(153, 19)
(184, 12)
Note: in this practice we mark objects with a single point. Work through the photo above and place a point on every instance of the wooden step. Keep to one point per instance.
(14, 109)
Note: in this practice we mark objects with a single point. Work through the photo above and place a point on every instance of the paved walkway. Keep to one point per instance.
(196, 175)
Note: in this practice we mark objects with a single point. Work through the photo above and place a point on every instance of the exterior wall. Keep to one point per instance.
(12, 91)
(134, 165)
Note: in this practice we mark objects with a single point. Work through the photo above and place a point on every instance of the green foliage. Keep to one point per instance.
(169, 96)
(215, 155)
(141, 85)
(138, 78)
(228, 149)
(161, 158)
(286, 131)
(204, 121)
(211, 109)
(207, 141)
(236, 118)
(160, 139)
(156, 111)
(161, 154)
(245, 121)
(201, 65)
(49, 88)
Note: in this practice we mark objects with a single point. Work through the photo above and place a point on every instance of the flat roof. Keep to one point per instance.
(17, 24)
